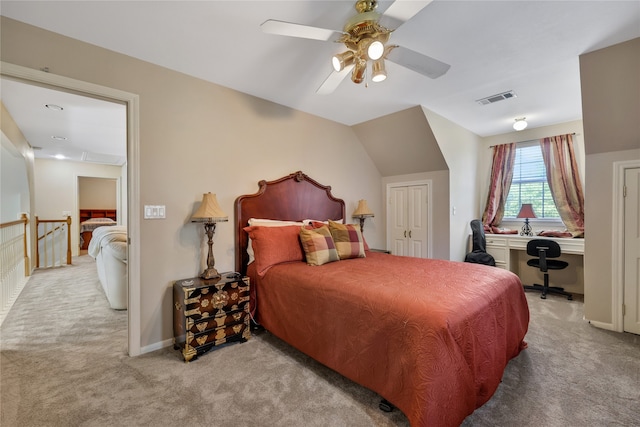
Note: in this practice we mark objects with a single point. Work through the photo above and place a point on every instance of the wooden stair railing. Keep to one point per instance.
(48, 238)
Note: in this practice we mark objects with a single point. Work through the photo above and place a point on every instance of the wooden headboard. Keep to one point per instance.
(294, 197)
(86, 214)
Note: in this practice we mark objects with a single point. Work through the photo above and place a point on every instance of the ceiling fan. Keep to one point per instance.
(366, 40)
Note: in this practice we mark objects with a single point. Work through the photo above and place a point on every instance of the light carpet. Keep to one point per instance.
(64, 363)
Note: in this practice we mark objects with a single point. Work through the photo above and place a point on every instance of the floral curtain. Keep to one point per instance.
(564, 181)
(501, 175)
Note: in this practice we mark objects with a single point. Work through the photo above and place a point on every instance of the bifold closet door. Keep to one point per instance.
(409, 219)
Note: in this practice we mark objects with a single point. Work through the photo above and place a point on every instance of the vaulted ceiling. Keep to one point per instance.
(528, 47)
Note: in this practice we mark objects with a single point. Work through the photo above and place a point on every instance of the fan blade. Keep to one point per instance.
(333, 81)
(418, 62)
(401, 11)
(282, 28)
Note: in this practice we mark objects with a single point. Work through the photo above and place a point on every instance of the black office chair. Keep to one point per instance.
(545, 249)
(479, 253)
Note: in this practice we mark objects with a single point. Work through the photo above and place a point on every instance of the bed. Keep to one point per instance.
(432, 337)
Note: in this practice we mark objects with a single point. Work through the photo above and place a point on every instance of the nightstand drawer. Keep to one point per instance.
(199, 344)
(224, 319)
(218, 335)
(209, 301)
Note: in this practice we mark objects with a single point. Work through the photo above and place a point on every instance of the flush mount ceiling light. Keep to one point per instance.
(367, 43)
(520, 124)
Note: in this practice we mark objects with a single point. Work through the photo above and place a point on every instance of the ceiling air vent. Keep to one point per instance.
(498, 97)
(102, 158)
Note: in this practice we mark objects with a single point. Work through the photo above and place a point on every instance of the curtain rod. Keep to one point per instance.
(529, 140)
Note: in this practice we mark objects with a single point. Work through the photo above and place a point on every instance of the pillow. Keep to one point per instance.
(310, 221)
(318, 245)
(274, 245)
(348, 240)
(265, 223)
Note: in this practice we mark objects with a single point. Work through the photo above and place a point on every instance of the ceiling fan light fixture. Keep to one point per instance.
(342, 60)
(359, 71)
(375, 50)
(520, 124)
(379, 73)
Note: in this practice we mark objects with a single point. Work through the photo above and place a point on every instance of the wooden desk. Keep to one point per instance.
(510, 253)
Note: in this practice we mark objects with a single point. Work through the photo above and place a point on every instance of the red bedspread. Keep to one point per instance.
(433, 337)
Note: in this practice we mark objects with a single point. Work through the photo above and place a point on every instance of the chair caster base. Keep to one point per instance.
(546, 290)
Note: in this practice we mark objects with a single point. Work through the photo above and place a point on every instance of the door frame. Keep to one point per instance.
(132, 102)
(429, 184)
(617, 255)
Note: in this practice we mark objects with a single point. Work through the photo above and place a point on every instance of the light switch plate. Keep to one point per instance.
(154, 211)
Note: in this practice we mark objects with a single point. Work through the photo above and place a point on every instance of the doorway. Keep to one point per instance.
(626, 247)
(96, 194)
(132, 172)
(631, 279)
(409, 218)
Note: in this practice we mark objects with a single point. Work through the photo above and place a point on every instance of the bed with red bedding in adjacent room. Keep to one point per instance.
(432, 337)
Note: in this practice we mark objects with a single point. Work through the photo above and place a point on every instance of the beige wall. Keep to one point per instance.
(14, 136)
(401, 143)
(197, 137)
(97, 193)
(56, 183)
(611, 97)
(611, 116)
(460, 149)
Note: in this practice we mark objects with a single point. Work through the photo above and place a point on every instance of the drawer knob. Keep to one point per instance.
(178, 306)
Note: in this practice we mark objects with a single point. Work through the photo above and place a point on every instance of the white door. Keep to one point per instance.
(631, 318)
(409, 206)
(399, 226)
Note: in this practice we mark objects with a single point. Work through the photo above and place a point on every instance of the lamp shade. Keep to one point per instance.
(526, 211)
(362, 210)
(209, 210)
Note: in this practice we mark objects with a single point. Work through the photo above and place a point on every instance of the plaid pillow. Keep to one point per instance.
(318, 245)
(348, 240)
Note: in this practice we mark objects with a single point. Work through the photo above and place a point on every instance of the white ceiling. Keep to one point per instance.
(530, 47)
(86, 129)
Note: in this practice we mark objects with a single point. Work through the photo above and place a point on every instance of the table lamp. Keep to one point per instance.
(210, 212)
(362, 212)
(526, 212)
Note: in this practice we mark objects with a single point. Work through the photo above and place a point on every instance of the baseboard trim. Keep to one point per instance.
(602, 325)
(156, 346)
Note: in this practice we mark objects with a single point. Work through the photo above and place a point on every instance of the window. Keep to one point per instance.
(529, 184)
